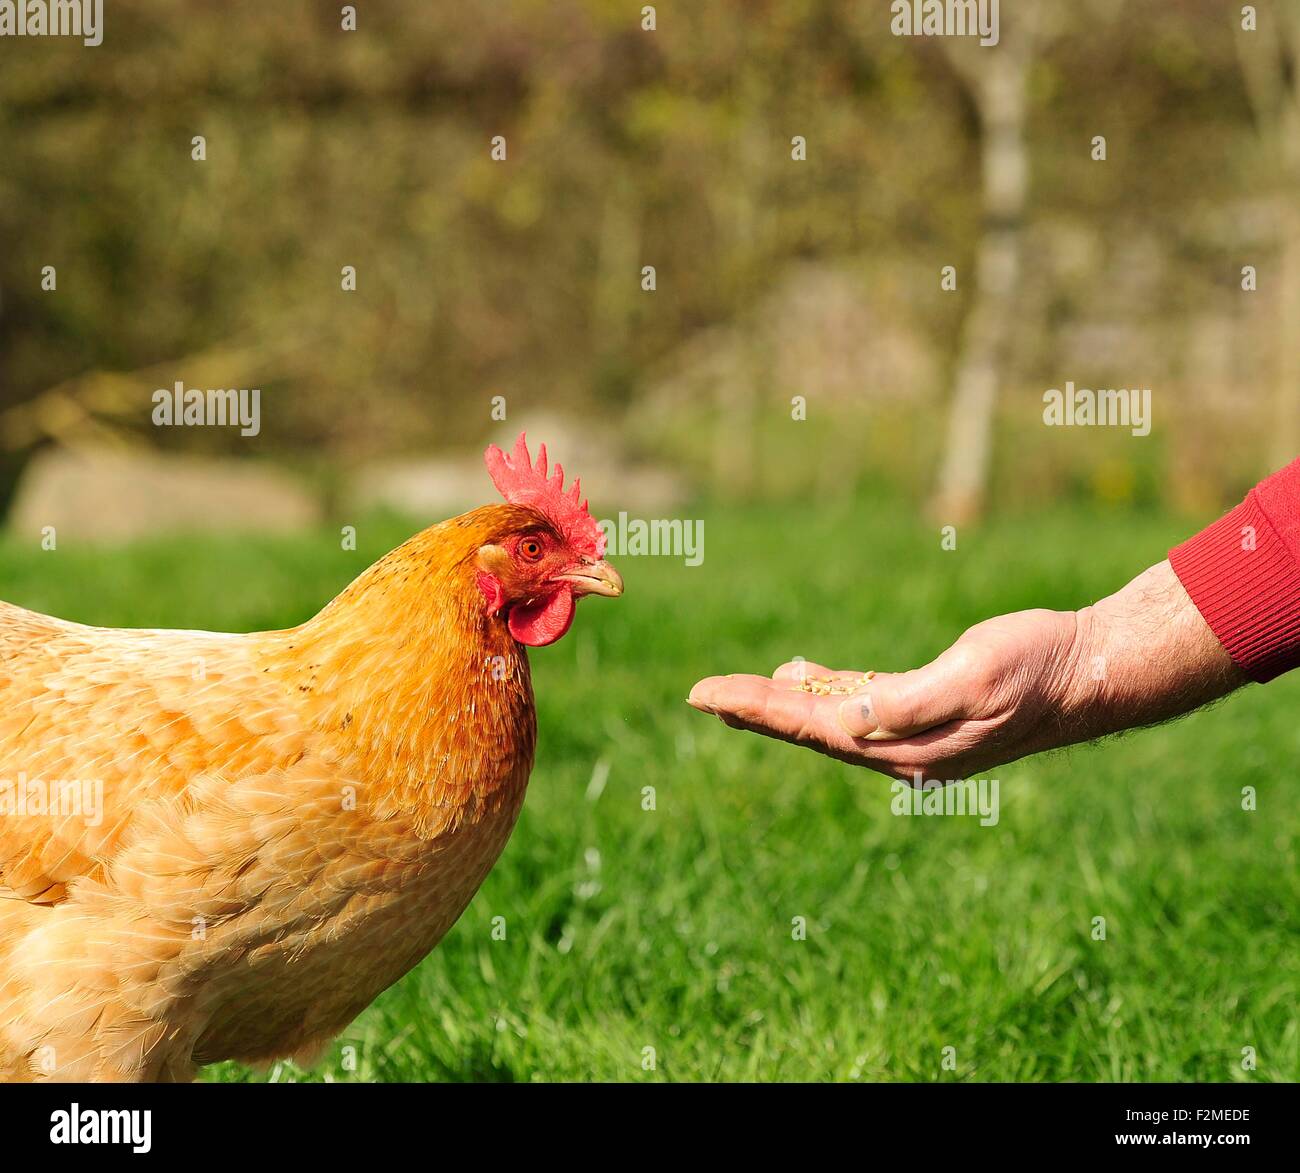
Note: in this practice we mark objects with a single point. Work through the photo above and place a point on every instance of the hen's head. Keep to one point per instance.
(549, 553)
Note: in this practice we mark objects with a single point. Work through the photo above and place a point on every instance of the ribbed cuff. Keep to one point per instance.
(1245, 582)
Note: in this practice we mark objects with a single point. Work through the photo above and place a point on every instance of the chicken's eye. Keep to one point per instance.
(531, 549)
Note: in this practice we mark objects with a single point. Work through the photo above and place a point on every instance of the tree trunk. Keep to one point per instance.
(997, 85)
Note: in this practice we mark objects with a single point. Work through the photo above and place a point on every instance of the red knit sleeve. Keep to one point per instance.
(1243, 574)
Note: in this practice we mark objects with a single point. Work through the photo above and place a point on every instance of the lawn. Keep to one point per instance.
(650, 945)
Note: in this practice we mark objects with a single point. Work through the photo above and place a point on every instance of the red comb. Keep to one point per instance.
(521, 484)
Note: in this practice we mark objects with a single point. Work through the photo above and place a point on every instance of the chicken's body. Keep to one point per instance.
(290, 820)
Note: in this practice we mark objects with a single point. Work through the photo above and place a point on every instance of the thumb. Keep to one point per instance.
(898, 704)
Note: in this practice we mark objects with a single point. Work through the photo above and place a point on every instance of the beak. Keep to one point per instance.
(594, 578)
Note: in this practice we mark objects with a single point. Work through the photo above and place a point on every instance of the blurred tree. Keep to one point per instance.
(626, 148)
(1270, 61)
(996, 80)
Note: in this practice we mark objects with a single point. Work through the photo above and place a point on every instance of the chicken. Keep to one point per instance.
(218, 846)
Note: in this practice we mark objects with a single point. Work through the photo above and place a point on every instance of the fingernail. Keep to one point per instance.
(857, 716)
(703, 708)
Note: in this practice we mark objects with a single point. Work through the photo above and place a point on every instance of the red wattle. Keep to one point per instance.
(544, 621)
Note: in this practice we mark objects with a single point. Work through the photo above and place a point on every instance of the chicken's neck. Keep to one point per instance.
(420, 693)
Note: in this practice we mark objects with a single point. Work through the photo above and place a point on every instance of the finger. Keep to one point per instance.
(802, 669)
(714, 693)
(759, 705)
(899, 704)
(751, 702)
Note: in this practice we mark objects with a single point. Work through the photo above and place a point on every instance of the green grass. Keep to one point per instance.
(670, 929)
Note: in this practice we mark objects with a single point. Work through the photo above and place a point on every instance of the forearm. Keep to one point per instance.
(1223, 610)
(1144, 655)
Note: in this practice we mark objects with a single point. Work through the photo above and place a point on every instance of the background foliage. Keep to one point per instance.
(628, 148)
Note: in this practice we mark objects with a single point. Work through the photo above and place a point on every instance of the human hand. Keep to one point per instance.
(1010, 686)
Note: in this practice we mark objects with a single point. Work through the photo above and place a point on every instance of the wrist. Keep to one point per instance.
(1087, 671)
(1143, 655)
